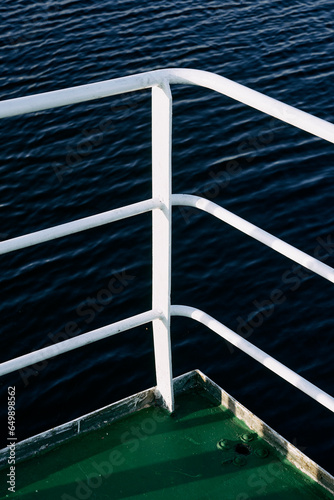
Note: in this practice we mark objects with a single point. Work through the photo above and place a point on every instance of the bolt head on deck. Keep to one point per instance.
(239, 461)
(224, 444)
(262, 452)
(247, 437)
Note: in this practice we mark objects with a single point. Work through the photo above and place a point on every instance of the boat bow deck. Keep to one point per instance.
(136, 449)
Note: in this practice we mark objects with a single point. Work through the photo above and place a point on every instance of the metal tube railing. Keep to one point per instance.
(160, 205)
(161, 239)
(262, 357)
(252, 98)
(79, 341)
(255, 232)
(77, 226)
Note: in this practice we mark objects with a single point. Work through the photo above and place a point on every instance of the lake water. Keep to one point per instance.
(64, 164)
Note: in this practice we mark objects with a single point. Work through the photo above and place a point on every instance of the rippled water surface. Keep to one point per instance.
(67, 163)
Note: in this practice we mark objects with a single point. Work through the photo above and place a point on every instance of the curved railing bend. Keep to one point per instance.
(161, 206)
(254, 352)
(165, 77)
(280, 246)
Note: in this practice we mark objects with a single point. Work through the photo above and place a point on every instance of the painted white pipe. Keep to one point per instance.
(257, 100)
(161, 239)
(82, 93)
(255, 232)
(269, 362)
(77, 226)
(79, 341)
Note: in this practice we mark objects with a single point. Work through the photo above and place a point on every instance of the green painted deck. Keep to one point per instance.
(152, 455)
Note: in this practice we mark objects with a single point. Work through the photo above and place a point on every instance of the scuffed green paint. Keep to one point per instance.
(152, 455)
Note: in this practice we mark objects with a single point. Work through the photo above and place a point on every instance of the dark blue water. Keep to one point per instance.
(68, 163)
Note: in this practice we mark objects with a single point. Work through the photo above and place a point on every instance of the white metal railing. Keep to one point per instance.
(161, 206)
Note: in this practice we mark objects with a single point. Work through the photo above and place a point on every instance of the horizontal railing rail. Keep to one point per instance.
(161, 206)
(255, 232)
(53, 233)
(187, 200)
(262, 357)
(176, 310)
(76, 342)
(107, 88)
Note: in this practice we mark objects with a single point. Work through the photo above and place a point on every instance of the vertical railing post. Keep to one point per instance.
(161, 239)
